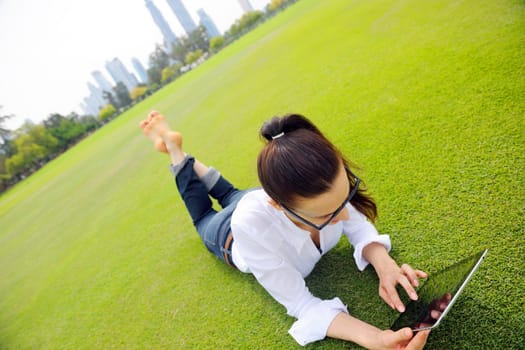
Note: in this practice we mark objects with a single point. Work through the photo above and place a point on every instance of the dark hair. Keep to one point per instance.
(299, 161)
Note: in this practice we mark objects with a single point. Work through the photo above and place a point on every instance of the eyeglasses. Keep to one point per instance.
(351, 194)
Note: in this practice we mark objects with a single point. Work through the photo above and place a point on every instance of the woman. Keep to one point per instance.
(309, 197)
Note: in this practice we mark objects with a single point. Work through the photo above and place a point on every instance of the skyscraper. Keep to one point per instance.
(246, 6)
(119, 73)
(207, 22)
(182, 15)
(169, 36)
(90, 107)
(97, 95)
(139, 68)
(102, 82)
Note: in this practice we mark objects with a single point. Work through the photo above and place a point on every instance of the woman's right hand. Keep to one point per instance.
(403, 339)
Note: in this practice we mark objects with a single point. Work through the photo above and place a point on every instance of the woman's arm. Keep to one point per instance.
(390, 275)
(349, 328)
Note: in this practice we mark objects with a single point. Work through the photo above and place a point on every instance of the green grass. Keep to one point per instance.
(97, 251)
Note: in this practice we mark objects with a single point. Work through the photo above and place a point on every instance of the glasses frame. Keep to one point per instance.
(351, 194)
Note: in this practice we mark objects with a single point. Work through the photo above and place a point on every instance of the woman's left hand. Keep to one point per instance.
(390, 275)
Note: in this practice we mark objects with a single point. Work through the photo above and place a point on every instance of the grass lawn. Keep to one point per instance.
(97, 250)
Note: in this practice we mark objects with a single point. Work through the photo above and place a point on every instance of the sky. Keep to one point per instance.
(50, 47)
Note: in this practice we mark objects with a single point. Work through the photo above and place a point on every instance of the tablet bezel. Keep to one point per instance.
(453, 299)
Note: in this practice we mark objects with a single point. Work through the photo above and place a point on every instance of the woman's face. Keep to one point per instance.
(318, 210)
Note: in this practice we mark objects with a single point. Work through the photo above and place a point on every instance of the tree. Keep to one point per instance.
(244, 23)
(196, 40)
(193, 56)
(216, 43)
(65, 129)
(199, 39)
(180, 49)
(154, 75)
(34, 146)
(5, 134)
(89, 122)
(169, 73)
(122, 93)
(138, 92)
(109, 98)
(275, 4)
(25, 159)
(37, 134)
(106, 112)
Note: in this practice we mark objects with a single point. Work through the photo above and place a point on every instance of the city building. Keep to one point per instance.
(182, 15)
(89, 108)
(139, 68)
(102, 82)
(118, 72)
(97, 95)
(208, 23)
(169, 37)
(246, 6)
(93, 104)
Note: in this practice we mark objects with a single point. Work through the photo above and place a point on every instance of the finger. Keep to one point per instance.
(418, 341)
(402, 336)
(403, 281)
(421, 274)
(435, 314)
(443, 306)
(384, 295)
(394, 297)
(411, 274)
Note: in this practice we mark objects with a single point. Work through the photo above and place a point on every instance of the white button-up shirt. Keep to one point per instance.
(280, 255)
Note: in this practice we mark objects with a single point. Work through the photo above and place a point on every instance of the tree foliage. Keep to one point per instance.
(107, 112)
(122, 94)
(138, 92)
(216, 43)
(34, 145)
(170, 72)
(244, 23)
(66, 130)
(4, 132)
(193, 56)
(275, 4)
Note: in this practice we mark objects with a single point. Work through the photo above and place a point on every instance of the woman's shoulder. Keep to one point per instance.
(253, 200)
(254, 210)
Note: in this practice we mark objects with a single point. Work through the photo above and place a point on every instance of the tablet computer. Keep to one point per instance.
(437, 295)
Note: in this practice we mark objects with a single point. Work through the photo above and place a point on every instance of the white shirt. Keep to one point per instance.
(280, 255)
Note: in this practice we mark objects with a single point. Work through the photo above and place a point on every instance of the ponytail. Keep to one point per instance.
(298, 161)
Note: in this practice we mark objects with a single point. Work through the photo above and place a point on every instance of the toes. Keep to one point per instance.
(152, 115)
(143, 124)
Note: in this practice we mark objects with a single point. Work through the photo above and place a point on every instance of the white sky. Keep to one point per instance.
(48, 48)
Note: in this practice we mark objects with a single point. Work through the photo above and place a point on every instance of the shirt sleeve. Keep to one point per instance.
(360, 233)
(287, 286)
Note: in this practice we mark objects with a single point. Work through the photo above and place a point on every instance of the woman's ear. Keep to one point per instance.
(274, 204)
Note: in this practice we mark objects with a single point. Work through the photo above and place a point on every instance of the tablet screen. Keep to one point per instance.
(438, 293)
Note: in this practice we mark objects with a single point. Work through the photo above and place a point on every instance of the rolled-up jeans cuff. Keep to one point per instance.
(175, 169)
(210, 178)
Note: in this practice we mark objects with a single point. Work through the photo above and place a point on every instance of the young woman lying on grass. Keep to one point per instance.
(309, 197)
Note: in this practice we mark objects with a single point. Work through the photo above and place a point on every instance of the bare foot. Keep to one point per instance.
(152, 134)
(156, 128)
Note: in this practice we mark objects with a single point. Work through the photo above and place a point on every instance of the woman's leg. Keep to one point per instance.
(194, 181)
(186, 169)
(167, 141)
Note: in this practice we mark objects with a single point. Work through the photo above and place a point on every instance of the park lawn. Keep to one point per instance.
(427, 97)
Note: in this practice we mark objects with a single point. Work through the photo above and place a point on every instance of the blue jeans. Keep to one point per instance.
(212, 226)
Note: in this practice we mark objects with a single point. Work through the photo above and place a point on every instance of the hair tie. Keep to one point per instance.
(278, 135)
